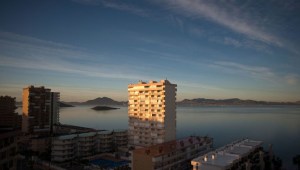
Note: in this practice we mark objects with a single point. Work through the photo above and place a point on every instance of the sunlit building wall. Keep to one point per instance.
(152, 112)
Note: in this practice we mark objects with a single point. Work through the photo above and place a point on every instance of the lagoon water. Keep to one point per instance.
(276, 125)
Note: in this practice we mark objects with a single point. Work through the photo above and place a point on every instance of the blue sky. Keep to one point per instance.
(209, 48)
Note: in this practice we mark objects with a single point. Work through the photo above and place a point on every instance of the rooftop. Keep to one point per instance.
(104, 132)
(151, 82)
(88, 134)
(168, 147)
(65, 137)
(228, 154)
(120, 130)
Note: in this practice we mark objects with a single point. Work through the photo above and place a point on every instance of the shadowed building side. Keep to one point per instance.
(9, 118)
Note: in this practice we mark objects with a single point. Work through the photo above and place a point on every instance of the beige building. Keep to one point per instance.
(242, 154)
(40, 109)
(64, 148)
(68, 147)
(120, 139)
(171, 155)
(152, 113)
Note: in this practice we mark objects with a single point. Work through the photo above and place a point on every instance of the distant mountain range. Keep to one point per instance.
(62, 104)
(105, 101)
(233, 101)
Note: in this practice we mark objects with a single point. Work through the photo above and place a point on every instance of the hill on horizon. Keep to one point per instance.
(232, 101)
(99, 101)
(188, 102)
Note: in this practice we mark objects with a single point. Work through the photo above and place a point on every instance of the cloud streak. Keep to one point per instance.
(115, 5)
(30, 53)
(257, 72)
(225, 14)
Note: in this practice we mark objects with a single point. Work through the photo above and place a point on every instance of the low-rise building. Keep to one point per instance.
(64, 148)
(120, 138)
(175, 154)
(86, 144)
(68, 147)
(10, 133)
(39, 144)
(242, 154)
(9, 149)
(105, 141)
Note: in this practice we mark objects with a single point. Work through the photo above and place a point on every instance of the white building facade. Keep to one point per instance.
(68, 147)
(152, 113)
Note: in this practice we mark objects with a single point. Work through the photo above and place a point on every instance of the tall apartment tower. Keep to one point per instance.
(40, 109)
(152, 113)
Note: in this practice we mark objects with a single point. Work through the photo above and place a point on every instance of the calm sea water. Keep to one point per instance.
(276, 125)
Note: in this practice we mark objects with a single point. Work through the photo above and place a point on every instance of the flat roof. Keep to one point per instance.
(104, 132)
(120, 130)
(151, 82)
(88, 134)
(220, 160)
(252, 142)
(239, 150)
(228, 154)
(65, 137)
(168, 147)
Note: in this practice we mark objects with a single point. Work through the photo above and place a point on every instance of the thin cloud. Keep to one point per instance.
(198, 86)
(292, 79)
(246, 43)
(257, 72)
(115, 5)
(226, 15)
(254, 71)
(31, 53)
(16, 38)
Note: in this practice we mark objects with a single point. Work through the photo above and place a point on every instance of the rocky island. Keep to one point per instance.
(104, 108)
(61, 104)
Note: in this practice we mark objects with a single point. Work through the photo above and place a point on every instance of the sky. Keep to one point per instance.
(210, 48)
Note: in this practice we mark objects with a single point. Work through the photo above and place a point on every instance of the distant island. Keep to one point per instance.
(104, 108)
(233, 102)
(105, 101)
(61, 104)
